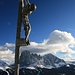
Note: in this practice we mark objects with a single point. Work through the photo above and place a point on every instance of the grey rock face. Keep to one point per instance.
(27, 59)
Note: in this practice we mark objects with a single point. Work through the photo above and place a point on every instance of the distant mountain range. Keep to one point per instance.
(3, 65)
(33, 60)
(47, 61)
(33, 64)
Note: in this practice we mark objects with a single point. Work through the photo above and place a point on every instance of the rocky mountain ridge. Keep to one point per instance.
(46, 61)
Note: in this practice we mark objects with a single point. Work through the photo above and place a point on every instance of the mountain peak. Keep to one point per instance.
(49, 60)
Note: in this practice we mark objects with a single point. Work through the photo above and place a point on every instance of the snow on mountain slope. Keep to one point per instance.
(3, 65)
(47, 61)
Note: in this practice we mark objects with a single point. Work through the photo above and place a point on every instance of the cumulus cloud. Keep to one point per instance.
(7, 53)
(9, 45)
(58, 42)
(7, 56)
(60, 37)
(2, 48)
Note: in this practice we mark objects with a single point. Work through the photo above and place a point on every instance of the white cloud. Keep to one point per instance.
(9, 45)
(7, 56)
(2, 48)
(60, 37)
(7, 53)
(58, 42)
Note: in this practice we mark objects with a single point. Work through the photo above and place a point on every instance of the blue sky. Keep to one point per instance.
(52, 17)
(49, 16)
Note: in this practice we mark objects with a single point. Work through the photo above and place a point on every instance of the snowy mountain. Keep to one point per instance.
(3, 65)
(33, 64)
(64, 70)
(33, 60)
(70, 62)
(47, 61)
